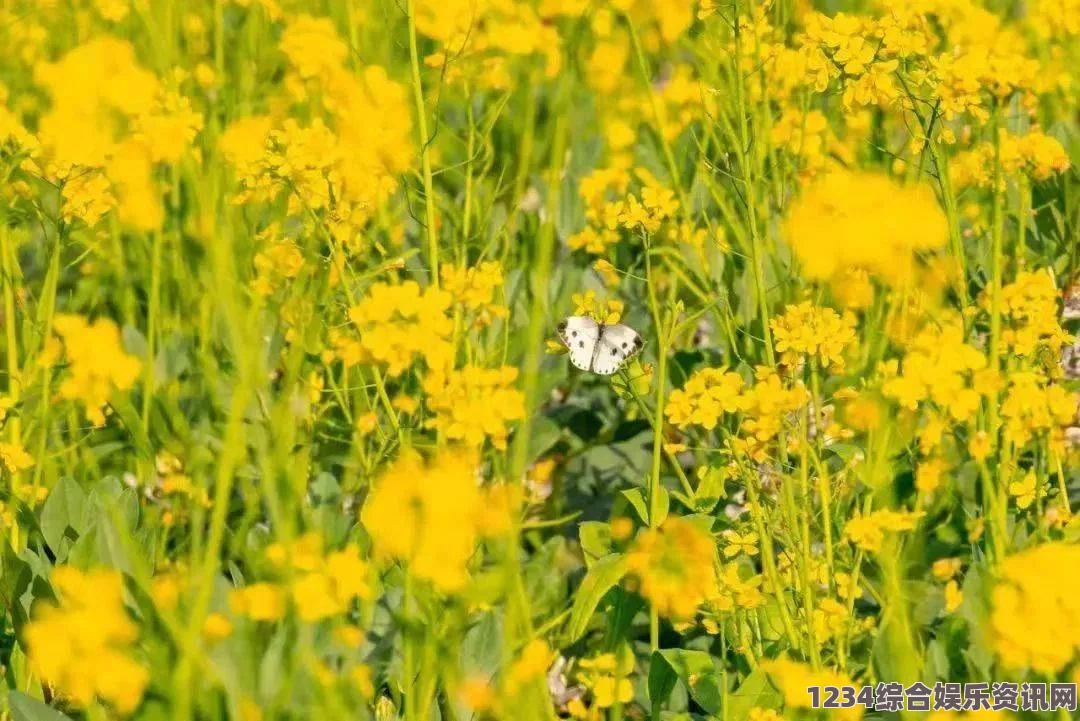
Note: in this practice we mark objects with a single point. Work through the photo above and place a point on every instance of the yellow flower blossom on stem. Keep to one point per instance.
(868, 531)
(84, 646)
(475, 287)
(1030, 306)
(766, 406)
(707, 395)
(1035, 156)
(399, 324)
(98, 366)
(675, 567)
(606, 676)
(806, 331)
(259, 601)
(794, 678)
(865, 220)
(14, 457)
(473, 404)
(430, 516)
(1036, 608)
(939, 366)
(1033, 406)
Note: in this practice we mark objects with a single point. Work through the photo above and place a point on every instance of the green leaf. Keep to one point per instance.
(121, 405)
(756, 691)
(595, 537)
(63, 510)
(27, 708)
(543, 434)
(662, 679)
(636, 497)
(709, 491)
(604, 574)
(481, 646)
(696, 670)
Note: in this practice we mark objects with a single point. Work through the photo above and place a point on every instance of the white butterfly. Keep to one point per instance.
(598, 347)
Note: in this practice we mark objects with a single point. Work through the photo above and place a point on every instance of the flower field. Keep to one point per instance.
(449, 360)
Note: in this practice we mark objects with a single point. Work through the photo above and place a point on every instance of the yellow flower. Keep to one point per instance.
(532, 663)
(868, 531)
(1026, 491)
(84, 646)
(737, 544)
(607, 272)
(473, 287)
(1036, 608)
(313, 46)
(584, 303)
(794, 678)
(945, 568)
(349, 635)
(979, 446)
(303, 554)
(474, 404)
(259, 602)
(606, 676)
(928, 475)
(863, 220)
(14, 457)
(477, 695)
(361, 676)
(953, 596)
(818, 334)
(314, 598)
(399, 324)
(216, 627)
(428, 515)
(674, 565)
(707, 395)
(764, 714)
(97, 363)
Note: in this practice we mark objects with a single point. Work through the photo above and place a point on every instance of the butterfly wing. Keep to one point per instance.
(580, 335)
(617, 343)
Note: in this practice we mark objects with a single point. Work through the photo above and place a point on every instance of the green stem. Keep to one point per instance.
(425, 158)
(749, 189)
(824, 487)
(952, 217)
(151, 327)
(658, 424)
(658, 118)
(13, 383)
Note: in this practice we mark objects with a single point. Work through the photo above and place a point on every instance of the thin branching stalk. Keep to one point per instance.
(425, 141)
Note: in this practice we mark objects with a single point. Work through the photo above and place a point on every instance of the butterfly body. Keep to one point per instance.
(598, 347)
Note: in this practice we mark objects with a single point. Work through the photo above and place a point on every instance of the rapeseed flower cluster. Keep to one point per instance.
(1035, 608)
(475, 404)
(111, 122)
(1035, 157)
(868, 531)
(432, 515)
(606, 678)
(852, 219)
(674, 566)
(817, 335)
(97, 364)
(399, 324)
(84, 645)
(279, 437)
